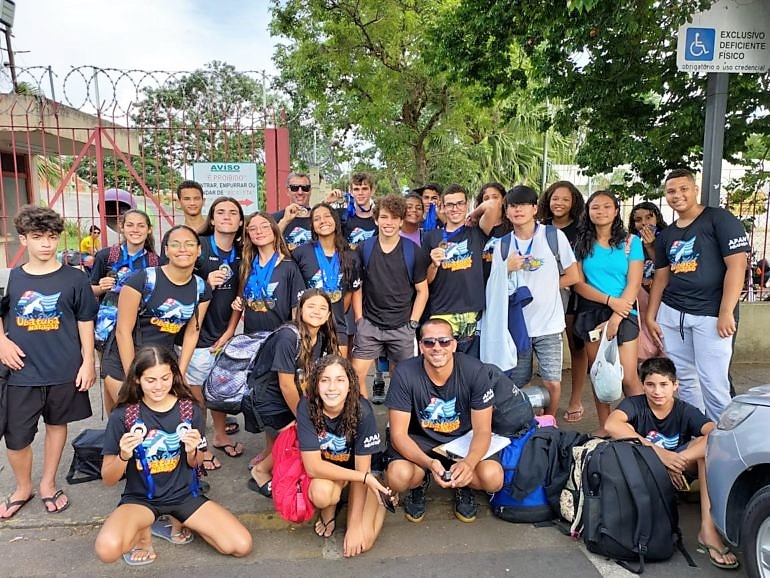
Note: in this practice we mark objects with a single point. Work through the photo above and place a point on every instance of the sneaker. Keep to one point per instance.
(465, 505)
(414, 505)
(378, 390)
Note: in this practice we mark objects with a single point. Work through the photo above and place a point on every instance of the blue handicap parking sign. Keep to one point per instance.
(700, 44)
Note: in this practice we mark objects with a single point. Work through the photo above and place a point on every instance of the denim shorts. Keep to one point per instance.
(201, 362)
(548, 349)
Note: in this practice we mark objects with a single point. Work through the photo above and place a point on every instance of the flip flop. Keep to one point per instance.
(52, 500)
(325, 526)
(255, 460)
(231, 450)
(575, 415)
(18, 504)
(231, 426)
(214, 465)
(707, 548)
(127, 558)
(164, 529)
(265, 489)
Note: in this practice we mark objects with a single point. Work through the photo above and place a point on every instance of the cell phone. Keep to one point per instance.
(446, 476)
(387, 501)
(594, 335)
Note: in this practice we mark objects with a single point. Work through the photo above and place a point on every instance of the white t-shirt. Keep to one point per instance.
(545, 314)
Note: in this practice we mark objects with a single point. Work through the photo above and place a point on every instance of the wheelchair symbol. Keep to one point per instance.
(699, 43)
(697, 48)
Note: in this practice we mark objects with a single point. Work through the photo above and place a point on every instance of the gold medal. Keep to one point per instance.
(335, 296)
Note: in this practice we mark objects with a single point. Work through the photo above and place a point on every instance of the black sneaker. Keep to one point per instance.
(414, 505)
(378, 389)
(465, 505)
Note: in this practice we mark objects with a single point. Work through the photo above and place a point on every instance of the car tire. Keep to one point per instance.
(755, 535)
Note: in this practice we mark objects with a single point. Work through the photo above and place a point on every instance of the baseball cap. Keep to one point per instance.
(521, 195)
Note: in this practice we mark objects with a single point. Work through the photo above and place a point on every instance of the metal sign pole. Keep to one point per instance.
(713, 137)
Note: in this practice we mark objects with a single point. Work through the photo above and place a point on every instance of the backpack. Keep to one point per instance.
(630, 511)
(225, 385)
(572, 498)
(512, 413)
(534, 507)
(87, 457)
(291, 483)
(407, 249)
(256, 385)
(551, 236)
(107, 315)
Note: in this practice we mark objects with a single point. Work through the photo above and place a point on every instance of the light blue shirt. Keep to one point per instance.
(607, 269)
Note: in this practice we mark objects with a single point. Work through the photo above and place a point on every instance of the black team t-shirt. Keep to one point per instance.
(695, 257)
(673, 431)
(358, 229)
(307, 261)
(388, 294)
(166, 456)
(459, 283)
(334, 447)
(440, 413)
(283, 291)
(297, 231)
(43, 321)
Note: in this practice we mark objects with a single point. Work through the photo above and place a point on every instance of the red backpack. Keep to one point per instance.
(290, 480)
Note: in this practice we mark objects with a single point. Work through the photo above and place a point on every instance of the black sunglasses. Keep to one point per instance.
(295, 188)
(431, 341)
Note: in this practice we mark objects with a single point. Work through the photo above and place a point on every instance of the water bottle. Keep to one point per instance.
(538, 395)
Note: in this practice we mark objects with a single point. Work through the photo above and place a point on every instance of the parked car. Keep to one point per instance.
(738, 473)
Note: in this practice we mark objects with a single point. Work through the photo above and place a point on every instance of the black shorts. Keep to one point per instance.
(274, 423)
(426, 445)
(180, 511)
(111, 365)
(58, 404)
(587, 319)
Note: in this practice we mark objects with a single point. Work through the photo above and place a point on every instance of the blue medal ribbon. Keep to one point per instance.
(431, 219)
(330, 268)
(127, 260)
(149, 483)
(259, 278)
(225, 260)
(351, 205)
(532, 240)
(446, 237)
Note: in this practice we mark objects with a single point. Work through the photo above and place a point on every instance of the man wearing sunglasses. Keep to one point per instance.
(294, 220)
(433, 399)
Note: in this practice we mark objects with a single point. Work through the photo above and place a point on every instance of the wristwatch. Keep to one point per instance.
(413, 324)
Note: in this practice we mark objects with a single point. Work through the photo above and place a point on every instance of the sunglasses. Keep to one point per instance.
(303, 188)
(431, 342)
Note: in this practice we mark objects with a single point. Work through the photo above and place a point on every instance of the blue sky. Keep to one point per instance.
(142, 34)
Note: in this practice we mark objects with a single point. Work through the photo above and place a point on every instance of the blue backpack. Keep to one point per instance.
(534, 507)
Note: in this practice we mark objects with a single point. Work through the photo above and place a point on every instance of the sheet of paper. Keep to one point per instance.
(458, 448)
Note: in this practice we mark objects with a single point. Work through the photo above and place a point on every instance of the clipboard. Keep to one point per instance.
(458, 448)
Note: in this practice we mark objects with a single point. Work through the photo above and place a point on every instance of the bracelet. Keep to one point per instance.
(121, 458)
(608, 300)
(364, 481)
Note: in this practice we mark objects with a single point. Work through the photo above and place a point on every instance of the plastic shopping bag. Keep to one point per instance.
(607, 372)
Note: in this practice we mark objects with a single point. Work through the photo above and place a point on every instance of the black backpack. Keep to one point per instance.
(630, 512)
(513, 414)
(87, 459)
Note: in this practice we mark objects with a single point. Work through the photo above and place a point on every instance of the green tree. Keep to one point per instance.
(612, 64)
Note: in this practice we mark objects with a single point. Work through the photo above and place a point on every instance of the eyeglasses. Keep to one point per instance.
(457, 205)
(295, 188)
(179, 244)
(430, 342)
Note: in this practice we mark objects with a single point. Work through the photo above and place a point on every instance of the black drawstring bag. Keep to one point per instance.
(87, 459)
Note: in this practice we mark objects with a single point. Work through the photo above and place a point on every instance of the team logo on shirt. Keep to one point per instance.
(334, 448)
(298, 236)
(489, 250)
(658, 439)
(457, 256)
(358, 236)
(440, 416)
(316, 282)
(682, 257)
(38, 312)
(162, 450)
(267, 303)
(171, 315)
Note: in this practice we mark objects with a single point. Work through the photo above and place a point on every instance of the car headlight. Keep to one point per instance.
(733, 415)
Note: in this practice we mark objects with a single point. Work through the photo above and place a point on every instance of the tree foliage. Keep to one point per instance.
(612, 64)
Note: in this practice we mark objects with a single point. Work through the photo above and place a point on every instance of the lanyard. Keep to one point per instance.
(127, 260)
(225, 260)
(532, 240)
(330, 268)
(445, 237)
(256, 287)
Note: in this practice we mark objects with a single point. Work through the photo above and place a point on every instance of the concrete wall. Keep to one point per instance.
(753, 343)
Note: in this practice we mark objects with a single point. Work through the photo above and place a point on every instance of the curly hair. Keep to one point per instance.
(660, 222)
(250, 250)
(544, 213)
(341, 246)
(327, 333)
(32, 219)
(586, 237)
(351, 410)
(146, 358)
(394, 204)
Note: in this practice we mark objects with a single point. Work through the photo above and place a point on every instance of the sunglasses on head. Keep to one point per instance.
(432, 341)
(295, 188)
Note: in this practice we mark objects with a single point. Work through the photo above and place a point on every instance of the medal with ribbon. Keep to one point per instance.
(526, 266)
(256, 286)
(226, 261)
(139, 451)
(127, 261)
(330, 272)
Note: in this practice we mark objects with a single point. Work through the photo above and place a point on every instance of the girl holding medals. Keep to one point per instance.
(154, 305)
(153, 438)
(279, 369)
(328, 263)
(269, 280)
(338, 436)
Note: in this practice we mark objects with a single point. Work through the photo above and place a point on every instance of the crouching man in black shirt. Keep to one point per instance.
(430, 404)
